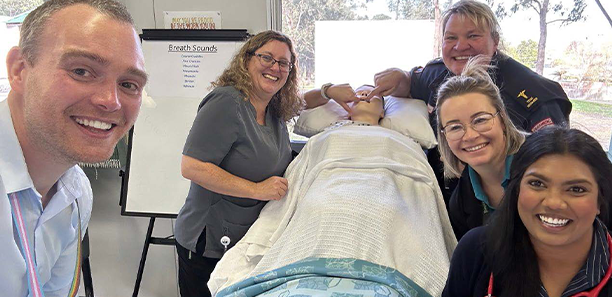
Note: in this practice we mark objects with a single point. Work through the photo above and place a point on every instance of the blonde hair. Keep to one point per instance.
(474, 79)
(479, 13)
(287, 102)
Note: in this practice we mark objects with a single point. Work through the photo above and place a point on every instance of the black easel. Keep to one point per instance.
(149, 240)
(179, 35)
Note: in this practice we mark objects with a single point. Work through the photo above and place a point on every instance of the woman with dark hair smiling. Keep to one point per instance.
(549, 235)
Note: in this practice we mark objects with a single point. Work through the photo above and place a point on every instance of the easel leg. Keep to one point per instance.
(87, 281)
(143, 258)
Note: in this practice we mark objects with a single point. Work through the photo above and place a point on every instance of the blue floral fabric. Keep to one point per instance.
(328, 277)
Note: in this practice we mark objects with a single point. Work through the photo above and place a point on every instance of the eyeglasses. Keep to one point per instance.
(482, 123)
(268, 61)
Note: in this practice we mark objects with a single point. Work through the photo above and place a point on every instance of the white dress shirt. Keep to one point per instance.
(52, 231)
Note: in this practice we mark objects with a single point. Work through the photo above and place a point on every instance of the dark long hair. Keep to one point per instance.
(508, 247)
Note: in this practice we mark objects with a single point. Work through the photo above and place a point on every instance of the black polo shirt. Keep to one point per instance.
(532, 101)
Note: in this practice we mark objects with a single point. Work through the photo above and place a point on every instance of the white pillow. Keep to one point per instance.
(404, 115)
(315, 120)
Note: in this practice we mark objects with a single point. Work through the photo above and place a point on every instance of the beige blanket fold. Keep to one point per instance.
(354, 192)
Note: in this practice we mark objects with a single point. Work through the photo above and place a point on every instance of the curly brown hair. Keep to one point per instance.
(287, 102)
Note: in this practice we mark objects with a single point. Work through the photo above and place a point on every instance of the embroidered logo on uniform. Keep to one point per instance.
(529, 100)
(543, 123)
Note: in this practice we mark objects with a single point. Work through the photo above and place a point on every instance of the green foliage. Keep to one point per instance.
(601, 109)
(589, 63)
(555, 11)
(548, 11)
(586, 70)
(526, 52)
(15, 7)
(411, 9)
(381, 17)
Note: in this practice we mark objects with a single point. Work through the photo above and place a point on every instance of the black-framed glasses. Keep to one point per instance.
(269, 61)
(482, 123)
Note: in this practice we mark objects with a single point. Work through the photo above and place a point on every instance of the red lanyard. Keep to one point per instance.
(592, 293)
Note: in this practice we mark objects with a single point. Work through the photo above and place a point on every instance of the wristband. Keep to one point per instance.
(324, 89)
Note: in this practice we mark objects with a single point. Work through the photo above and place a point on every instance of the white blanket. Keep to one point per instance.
(354, 192)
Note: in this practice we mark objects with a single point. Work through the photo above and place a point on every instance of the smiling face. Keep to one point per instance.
(558, 206)
(463, 40)
(83, 92)
(267, 81)
(477, 149)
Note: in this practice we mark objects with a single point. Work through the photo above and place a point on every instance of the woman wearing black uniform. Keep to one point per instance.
(470, 29)
(549, 236)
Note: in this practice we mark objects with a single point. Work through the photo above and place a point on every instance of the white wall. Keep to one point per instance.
(236, 14)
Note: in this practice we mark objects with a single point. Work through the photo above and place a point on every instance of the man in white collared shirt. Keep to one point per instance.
(76, 82)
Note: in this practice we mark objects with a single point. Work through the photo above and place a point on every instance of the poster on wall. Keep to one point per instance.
(199, 20)
(185, 68)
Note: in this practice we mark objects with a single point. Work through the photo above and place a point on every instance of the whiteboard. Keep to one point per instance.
(180, 72)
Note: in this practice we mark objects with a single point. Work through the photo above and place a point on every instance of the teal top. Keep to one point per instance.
(479, 192)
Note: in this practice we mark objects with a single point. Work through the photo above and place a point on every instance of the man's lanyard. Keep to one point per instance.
(592, 293)
(32, 271)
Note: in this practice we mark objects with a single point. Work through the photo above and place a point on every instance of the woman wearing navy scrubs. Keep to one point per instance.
(549, 235)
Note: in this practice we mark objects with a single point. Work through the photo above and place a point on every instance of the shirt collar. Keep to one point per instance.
(479, 192)
(507, 171)
(13, 168)
(595, 267)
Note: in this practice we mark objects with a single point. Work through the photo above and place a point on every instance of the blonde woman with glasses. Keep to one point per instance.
(476, 141)
(235, 155)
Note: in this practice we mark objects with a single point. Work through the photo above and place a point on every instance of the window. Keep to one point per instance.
(351, 40)
(9, 34)
(352, 27)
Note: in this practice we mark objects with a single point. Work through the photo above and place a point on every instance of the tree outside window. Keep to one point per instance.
(12, 13)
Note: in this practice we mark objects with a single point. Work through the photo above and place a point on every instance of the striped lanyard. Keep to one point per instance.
(32, 272)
